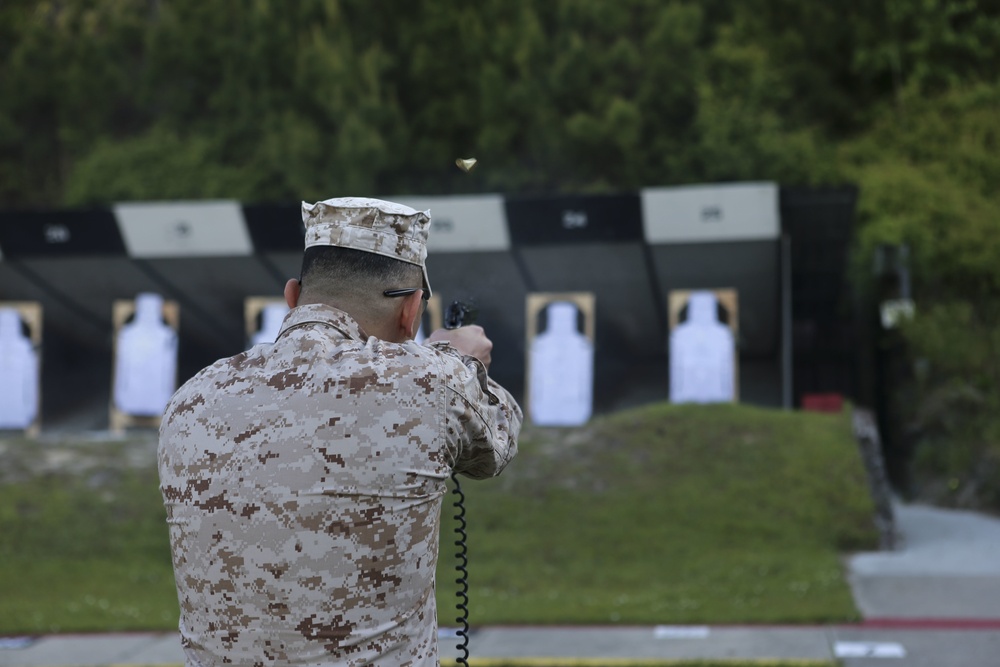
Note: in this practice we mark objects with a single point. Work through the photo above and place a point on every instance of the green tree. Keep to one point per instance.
(66, 79)
(257, 101)
(841, 60)
(928, 170)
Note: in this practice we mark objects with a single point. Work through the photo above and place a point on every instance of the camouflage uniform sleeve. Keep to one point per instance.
(482, 421)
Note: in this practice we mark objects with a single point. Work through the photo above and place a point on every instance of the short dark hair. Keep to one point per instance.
(332, 270)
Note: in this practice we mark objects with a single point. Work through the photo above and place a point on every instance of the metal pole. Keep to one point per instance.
(786, 322)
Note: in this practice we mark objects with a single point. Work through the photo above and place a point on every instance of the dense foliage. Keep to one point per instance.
(104, 100)
(264, 100)
(929, 173)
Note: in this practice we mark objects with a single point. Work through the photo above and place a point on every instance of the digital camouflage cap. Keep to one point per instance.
(372, 225)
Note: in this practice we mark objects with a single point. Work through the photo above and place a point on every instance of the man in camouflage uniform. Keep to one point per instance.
(303, 480)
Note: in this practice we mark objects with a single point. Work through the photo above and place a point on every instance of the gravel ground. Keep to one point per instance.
(81, 454)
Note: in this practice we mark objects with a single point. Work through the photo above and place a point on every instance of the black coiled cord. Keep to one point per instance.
(459, 314)
(462, 580)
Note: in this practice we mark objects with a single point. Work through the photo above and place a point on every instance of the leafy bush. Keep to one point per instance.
(927, 172)
(955, 420)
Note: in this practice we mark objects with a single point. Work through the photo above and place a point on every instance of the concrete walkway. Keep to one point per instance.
(934, 602)
(856, 646)
(946, 567)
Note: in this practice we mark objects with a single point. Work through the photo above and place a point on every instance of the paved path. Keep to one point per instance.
(857, 646)
(935, 602)
(947, 567)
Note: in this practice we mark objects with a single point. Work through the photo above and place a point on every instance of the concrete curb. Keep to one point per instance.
(920, 642)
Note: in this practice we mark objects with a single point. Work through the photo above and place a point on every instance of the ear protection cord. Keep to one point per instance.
(461, 555)
(456, 315)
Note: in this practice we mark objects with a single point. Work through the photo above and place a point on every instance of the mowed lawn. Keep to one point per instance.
(669, 514)
(662, 514)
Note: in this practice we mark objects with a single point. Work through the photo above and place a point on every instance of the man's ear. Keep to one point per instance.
(293, 288)
(409, 315)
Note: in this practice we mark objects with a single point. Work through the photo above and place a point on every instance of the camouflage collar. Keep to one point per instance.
(319, 313)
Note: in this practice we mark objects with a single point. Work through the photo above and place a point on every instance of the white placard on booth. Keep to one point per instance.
(474, 223)
(183, 229)
(711, 213)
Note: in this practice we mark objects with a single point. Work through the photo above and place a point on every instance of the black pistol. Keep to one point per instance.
(460, 314)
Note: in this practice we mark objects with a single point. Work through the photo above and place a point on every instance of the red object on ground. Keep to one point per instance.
(823, 402)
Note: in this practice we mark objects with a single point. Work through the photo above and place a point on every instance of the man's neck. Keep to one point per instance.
(370, 324)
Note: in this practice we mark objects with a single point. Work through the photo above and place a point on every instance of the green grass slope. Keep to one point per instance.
(83, 549)
(668, 514)
(665, 514)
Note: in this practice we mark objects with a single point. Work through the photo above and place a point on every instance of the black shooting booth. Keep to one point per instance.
(595, 244)
(278, 237)
(628, 256)
(202, 254)
(469, 260)
(74, 264)
(728, 237)
(828, 318)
